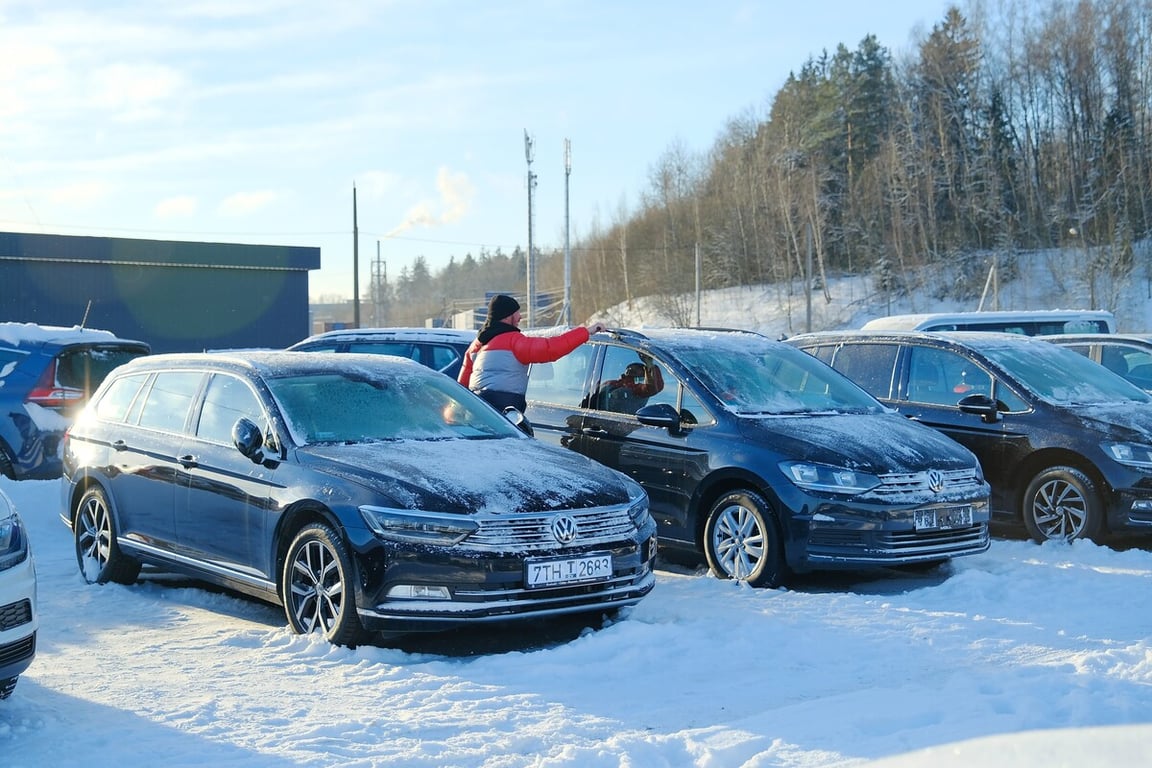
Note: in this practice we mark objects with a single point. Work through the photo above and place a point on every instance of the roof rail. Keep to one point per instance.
(621, 333)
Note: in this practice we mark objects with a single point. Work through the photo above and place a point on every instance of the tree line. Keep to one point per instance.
(1007, 127)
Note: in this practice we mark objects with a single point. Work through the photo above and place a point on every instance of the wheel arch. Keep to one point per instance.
(723, 481)
(294, 518)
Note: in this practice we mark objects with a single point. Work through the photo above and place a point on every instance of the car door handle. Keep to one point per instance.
(119, 445)
(187, 461)
(594, 432)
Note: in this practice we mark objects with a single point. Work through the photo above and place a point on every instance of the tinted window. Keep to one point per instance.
(117, 399)
(397, 348)
(941, 377)
(869, 365)
(562, 382)
(226, 399)
(86, 368)
(167, 403)
(443, 357)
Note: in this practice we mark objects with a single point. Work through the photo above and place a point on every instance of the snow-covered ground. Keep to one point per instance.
(1022, 656)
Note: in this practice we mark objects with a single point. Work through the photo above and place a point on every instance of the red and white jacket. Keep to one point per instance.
(498, 359)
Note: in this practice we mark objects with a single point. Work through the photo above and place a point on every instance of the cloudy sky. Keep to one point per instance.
(252, 120)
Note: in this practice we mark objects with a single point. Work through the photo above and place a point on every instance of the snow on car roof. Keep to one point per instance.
(15, 334)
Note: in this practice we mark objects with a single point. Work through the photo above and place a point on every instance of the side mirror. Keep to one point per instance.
(248, 439)
(519, 420)
(981, 405)
(660, 415)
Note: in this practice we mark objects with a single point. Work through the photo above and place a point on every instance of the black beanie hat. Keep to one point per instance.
(500, 307)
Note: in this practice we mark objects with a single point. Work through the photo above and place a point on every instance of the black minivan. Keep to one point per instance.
(760, 456)
(1065, 443)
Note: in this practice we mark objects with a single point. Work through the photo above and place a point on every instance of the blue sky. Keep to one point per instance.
(250, 121)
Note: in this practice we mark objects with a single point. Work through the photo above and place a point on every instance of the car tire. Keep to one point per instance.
(318, 586)
(97, 553)
(742, 540)
(1062, 504)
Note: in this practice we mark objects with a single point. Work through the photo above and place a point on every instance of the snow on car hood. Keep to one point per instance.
(508, 475)
(1120, 421)
(878, 443)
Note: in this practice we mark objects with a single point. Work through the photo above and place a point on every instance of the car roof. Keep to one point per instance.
(1138, 338)
(30, 335)
(274, 361)
(973, 339)
(916, 321)
(450, 335)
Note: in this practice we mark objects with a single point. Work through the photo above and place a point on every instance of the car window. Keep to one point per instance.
(562, 382)
(628, 382)
(443, 356)
(167, 402)
(398, 348)
(117, 398)
(86, 368)
(226, 399)
(942, 377)
(869, 365)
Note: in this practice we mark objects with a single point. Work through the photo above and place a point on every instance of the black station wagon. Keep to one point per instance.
(1065, 443)
(760, 456)
(361, 492)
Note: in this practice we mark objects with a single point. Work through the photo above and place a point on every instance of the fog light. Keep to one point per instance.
(419, 592)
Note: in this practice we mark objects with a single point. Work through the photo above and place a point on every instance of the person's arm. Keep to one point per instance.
(549, 349)
(465, 376)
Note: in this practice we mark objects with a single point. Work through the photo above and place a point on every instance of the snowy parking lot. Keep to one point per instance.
(1044, 650)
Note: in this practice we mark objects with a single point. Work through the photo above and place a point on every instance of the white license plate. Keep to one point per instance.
(943, 517)
(567, 570)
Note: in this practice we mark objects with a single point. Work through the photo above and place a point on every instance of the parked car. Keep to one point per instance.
(363, 493)
(439, 348)
(1128, 355)
(1035, 322)
(1065, 443)
(18, 617)
(46, 375)
(759, 456)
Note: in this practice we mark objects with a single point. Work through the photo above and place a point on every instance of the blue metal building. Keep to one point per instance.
(177, 296)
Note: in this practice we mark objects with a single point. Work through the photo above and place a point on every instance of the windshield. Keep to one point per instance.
(759, 377)
(364, 405)
(1061, 376)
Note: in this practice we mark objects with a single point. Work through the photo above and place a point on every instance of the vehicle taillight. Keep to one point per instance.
(47, 394)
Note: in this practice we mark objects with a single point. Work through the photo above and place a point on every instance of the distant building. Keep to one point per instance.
(177, 296)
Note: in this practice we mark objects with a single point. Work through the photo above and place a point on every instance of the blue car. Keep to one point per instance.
(46, 375)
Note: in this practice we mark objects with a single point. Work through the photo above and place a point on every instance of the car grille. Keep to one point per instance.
(18, 651)
(892, 487)
(15, 614)
(832, 544)
(533, 532)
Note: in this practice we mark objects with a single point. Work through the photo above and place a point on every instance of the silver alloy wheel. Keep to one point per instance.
(738, 540)
(317, 590)
(93, 538)
(1060, 510)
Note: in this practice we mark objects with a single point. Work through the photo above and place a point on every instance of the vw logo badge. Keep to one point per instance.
(935, 480)
(564, 528)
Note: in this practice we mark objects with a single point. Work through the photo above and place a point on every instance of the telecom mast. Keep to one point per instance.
(566, 311)
(531, 254)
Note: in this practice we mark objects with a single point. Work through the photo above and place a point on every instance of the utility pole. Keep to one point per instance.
(531, 277)
(355, 264)
(566, 312)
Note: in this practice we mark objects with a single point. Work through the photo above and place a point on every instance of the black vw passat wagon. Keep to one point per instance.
(760, 456)
(361, 492)
(1066, 444)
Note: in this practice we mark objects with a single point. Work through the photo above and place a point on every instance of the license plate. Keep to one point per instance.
(943, 517)
(567, 570)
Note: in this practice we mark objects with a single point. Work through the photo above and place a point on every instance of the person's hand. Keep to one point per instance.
(595, 328)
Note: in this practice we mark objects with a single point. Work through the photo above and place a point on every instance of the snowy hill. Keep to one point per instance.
(1048, 280)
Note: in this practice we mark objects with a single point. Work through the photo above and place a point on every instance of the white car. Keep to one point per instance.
(18, 620)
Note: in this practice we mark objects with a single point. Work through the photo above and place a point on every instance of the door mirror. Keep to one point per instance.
(660, 415)
(248, 439)
(981, 405)
(519, 420)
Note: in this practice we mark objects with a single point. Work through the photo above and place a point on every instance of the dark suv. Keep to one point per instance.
(759, 456)
(46, 375)
(1065, 443)
(441, 349)
(363, 493)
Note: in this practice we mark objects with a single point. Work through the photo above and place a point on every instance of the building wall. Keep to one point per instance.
(177, 296)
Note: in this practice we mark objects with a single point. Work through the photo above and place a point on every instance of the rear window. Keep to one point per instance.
(85, 368)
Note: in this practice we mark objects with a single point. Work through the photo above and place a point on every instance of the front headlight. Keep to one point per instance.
(411, 527)
(638, 510)
(827, 478)
(1130, 454)
(13, 542)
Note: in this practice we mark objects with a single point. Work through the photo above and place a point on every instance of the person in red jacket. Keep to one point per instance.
(496, 363)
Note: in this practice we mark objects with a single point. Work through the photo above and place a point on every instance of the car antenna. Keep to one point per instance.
(84, 320)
